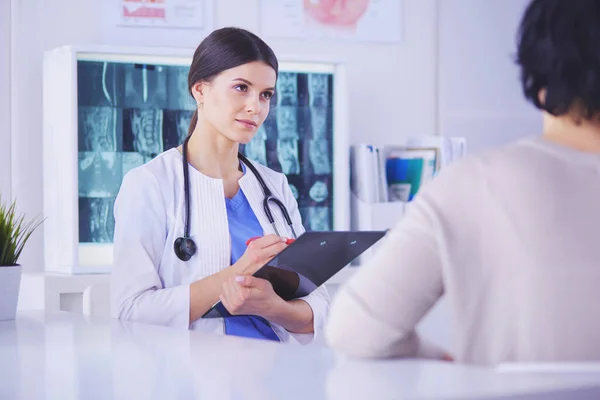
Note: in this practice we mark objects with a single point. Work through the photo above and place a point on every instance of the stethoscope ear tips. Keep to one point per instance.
(184, 248)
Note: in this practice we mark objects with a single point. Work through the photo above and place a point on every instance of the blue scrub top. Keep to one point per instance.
(244, 225)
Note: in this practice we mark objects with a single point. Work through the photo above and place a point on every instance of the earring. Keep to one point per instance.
(199, 104)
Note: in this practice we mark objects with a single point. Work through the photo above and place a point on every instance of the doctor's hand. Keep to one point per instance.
(258, 253)
(248, 295)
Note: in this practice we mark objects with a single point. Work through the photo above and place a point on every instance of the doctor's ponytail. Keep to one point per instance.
(224, 49)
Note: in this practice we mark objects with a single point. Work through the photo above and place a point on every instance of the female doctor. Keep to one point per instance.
(183, 219)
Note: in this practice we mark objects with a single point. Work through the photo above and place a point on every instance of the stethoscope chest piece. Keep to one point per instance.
(184, 248)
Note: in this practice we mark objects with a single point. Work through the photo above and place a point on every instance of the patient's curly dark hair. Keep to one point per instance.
(559, 51)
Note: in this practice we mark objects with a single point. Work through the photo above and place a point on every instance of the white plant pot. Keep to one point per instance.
(10, 283)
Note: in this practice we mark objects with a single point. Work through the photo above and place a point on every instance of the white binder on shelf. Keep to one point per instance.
(367, 171)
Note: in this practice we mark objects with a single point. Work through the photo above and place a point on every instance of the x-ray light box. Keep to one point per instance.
(109, 109)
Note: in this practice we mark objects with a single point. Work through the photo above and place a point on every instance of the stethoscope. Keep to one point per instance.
(184, 246)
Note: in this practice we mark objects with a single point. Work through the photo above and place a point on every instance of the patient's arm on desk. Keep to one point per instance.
(375, 313)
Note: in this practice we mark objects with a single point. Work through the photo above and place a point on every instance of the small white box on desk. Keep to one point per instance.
(55, 292)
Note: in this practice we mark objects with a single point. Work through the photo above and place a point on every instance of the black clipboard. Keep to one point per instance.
(309, 262)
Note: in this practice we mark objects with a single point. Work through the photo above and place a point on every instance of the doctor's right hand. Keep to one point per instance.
(258, 253)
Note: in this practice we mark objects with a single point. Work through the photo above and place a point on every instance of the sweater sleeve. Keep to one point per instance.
(375, 313)
(137, 293)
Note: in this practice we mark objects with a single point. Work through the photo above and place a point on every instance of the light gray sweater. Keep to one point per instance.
(511, 238)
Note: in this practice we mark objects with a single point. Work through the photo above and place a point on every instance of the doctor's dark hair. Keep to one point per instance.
(223, 49)
(559, 52)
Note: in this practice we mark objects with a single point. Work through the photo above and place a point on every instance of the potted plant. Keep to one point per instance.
(14, 233)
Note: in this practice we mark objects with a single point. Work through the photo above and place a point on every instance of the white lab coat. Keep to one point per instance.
(149, 283)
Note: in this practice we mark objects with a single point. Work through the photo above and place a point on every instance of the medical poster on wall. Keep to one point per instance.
(352, 20)
(190, 14)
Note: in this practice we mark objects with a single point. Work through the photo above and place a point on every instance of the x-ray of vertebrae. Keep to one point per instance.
(317, 218)
(318, 152)
(256, 149)
(318, 122)
(132, 160)
(96, 220)
(287, 122)
(127, 115)
(146, 130)
(178, 95)
(318, 89)
(99, 84)
(100, 174)
(176, 124)
(145, 86)
(318, 192)
(287, 154)
(97, 128)
(295, 191)
(287, 89)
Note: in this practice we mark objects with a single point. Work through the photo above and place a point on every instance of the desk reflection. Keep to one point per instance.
(150, 362)
(67, 356)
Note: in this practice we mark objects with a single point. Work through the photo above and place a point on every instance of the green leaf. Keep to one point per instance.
(14, 233)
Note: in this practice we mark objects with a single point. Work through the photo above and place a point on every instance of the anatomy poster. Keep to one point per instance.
(354, 20)
(163, 13)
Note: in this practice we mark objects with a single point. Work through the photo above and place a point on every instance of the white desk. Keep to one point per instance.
(69, 356)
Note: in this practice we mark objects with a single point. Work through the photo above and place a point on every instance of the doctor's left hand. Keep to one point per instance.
(248, 295)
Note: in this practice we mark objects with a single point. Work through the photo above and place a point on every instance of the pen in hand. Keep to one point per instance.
(287, 241)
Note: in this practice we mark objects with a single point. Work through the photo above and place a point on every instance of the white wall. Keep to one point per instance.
(392, 89)
(480, 95)
(5, 100)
